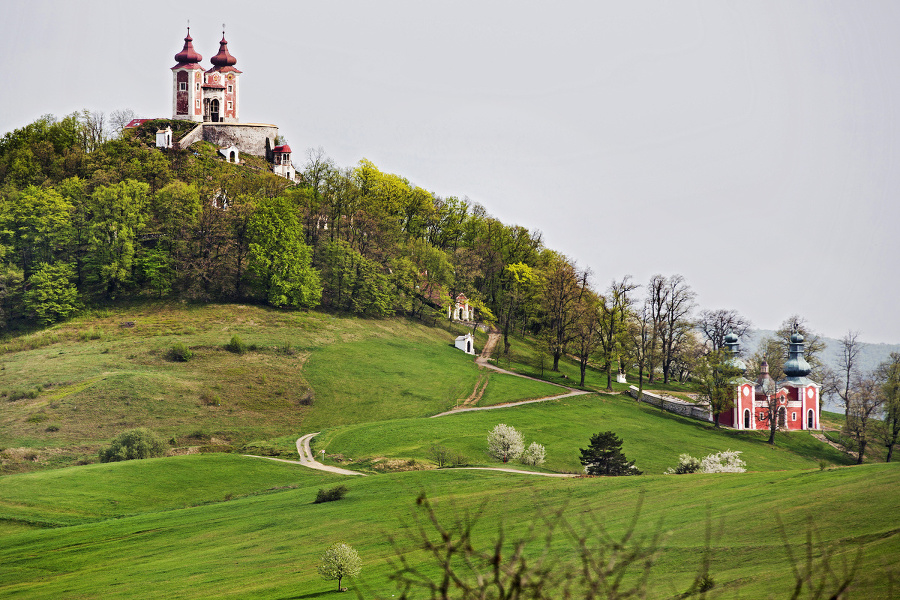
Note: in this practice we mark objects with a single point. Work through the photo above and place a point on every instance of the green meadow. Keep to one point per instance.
(256, 533)
(208, 522)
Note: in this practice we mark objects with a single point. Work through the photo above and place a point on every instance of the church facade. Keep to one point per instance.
(205, 95)
(211, 98)
(796, 397)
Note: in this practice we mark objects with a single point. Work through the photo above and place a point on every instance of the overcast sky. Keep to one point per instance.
(751, 147)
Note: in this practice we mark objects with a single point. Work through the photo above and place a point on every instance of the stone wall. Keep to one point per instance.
(685, 409)
(250, 138)
(194, 135)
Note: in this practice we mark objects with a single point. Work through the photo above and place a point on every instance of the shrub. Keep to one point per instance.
(686, 464)
(210, 399)
(180, 353)
(133, 444)
(52, 428)
(335, 493)
(723, 462)
(534, 455)
(440, 454)
(505, 443)
(236, 345)
(38, 418)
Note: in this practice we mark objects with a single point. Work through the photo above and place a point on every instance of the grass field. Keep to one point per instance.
(265, 540)
(221, 525)
(651, 438)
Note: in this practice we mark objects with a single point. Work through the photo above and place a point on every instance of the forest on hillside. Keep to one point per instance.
(89, 218)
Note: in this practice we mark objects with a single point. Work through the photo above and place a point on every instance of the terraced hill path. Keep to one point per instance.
(483, 361)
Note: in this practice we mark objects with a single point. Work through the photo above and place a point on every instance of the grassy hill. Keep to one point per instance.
(218, 524)
(226, 526)
(71, 388)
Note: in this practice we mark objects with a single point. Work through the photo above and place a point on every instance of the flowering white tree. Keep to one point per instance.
(339, 561)
(505, 443)
(534, 455)
(723, 462)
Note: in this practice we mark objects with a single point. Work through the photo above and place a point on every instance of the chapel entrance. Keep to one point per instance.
(214, 110)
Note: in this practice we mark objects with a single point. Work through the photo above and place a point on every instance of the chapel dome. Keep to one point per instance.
(223, 58)
(188, 55)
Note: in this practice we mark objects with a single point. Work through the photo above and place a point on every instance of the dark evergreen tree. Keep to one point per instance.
(604, 456)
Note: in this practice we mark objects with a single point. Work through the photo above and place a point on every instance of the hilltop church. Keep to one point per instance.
(211, 98)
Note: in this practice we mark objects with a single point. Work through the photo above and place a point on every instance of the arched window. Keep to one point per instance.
(746, 418)
(810, 420)
(782, 417)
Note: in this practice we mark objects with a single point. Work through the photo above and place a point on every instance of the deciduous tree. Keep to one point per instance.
(339, 560)
(889, 375)
(716, 324)
(614, 307)
(717, 377)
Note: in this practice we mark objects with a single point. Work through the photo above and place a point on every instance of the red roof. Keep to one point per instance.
(284, 149)
(188, 55)
(136, 123)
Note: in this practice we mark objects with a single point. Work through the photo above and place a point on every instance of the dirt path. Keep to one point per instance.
(515, 471)
(306, 458)
(482, 361)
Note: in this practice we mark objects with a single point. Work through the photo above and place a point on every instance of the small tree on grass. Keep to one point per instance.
(604, 456)
(534, 455)
(339, 561)
(505, 443)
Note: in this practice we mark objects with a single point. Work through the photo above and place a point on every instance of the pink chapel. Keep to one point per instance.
(796, 396)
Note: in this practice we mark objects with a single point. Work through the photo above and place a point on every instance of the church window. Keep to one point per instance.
(197, 103)
(793, 416)
(746, 419)
(182, 86)
(230, 88)
(198, 86)
(230, 105)
(810, 420)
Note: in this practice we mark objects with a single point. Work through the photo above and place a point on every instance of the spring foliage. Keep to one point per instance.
(505, 443)
(721, 462)
(339, 560)
(133, 444)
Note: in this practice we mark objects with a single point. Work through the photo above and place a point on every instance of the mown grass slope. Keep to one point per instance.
(651, 438)
(265, 543)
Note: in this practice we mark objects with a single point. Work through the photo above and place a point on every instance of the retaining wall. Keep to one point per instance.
(685, 409)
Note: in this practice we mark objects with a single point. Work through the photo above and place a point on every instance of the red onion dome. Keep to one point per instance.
(223, 58)
(188, 55)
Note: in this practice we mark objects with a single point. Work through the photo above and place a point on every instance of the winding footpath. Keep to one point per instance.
(306, 455)
(483, 361)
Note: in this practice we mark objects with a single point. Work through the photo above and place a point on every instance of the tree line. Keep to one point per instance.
(91, 212)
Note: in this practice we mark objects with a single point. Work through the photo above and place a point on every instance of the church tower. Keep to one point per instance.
(187, 77)
(220, 88)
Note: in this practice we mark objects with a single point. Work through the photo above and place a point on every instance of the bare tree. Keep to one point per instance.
(656, 303)
(118, 119)
(678, 307)
(866, 400)
(92, 130)
(639, 340)
(847, 370)
(716, 324)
